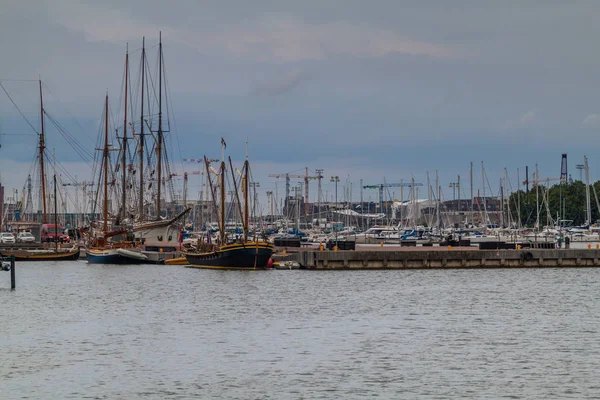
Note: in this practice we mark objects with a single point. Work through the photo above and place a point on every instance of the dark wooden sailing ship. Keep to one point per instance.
(234, 254)
(245, 255)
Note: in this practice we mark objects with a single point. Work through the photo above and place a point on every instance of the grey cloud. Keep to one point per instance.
(389, 72)
(526, 118)
(279, 85)
(591, 119)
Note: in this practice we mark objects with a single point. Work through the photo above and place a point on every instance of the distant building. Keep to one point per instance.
(491, 204)
(294, 206)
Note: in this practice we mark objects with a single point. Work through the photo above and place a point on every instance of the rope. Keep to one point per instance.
(17, 107)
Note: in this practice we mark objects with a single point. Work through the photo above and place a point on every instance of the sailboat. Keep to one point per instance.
(137, 238)
(103, 250)
(159, 238)
(230, 253)
(51, 254)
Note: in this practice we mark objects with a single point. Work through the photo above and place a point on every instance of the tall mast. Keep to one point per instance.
(501, 203)
(306, 194)
(55, 215)
(508, 189)
(459, 203)
(185, 183)
(362, 210)
(210, 187)
(485, 215)
(105, 162)
(518, 199)
(54, 170)
(537, 196)
(209, 191)
(414, 198)
(471, 179)
(42, 148)
(401, 199)
(429, 192)
(437, 199)
(237, 198)
(124, 144)
(160, 132)
(141, 144)
(587, 191)
(245, 190)
(222, 201)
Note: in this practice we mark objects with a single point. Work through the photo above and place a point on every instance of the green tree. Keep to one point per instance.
(562, 198)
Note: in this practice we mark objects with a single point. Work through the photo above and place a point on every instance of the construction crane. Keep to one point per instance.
(173, 175)
(83, 184)
(185, 174)
(534, 182)
(381, 186)
(200, 160)
(564, 176)
(78, 184)
(185, 183)
(306, 178)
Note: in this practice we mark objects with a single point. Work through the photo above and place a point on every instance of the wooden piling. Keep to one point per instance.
(12, 273)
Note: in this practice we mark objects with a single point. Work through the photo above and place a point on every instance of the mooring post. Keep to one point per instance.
(12, 273)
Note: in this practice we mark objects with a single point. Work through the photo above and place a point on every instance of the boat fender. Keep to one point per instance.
(527, 256)
(5, 266)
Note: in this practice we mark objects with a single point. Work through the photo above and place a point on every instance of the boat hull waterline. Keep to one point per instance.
(46, 255)
(235, 256)
(115, 256)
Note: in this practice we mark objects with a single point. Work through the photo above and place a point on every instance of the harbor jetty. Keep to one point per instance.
(439, 257)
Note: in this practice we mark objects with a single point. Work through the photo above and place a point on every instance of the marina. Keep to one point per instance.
(138, 215)
(299, 200)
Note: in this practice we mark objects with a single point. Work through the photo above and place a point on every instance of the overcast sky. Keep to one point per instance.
(361, 89)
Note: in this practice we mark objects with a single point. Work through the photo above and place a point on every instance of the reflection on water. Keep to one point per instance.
(73, 331)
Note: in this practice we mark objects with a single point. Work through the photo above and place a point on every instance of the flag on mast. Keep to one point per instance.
(223, 143)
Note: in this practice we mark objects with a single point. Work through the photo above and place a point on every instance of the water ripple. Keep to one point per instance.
(75, 331)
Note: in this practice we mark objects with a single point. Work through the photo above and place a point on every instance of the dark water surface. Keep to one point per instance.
(73, 331)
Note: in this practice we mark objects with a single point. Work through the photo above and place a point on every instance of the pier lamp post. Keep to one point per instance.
(335, 179)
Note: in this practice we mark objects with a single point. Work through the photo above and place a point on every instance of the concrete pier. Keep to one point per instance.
(443, 258)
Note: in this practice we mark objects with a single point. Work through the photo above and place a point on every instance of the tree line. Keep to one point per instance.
(563, 200)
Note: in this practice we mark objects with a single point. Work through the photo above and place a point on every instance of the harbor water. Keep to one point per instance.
(72, 330)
